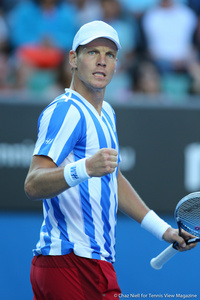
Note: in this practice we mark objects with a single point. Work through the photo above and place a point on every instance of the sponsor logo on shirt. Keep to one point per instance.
(49, 141)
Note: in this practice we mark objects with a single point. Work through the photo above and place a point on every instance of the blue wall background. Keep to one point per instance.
(135, 248)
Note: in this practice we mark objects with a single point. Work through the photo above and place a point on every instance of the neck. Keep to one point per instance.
(93, 96)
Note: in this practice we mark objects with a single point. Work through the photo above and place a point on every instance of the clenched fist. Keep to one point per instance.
(103, 162)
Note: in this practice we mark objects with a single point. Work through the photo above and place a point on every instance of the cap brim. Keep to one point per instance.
(101, 36)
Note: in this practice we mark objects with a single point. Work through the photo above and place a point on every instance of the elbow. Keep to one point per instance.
(30, 190)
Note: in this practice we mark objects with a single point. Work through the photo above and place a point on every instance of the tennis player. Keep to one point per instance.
(75, 171)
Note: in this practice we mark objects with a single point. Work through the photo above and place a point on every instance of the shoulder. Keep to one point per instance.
(60, 107)
(62, 101)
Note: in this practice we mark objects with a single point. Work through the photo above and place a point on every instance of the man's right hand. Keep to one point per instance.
(103, 162)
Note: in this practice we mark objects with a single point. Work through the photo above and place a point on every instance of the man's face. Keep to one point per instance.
(96, 63)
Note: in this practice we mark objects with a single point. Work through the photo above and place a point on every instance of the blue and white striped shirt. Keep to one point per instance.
(83, 218)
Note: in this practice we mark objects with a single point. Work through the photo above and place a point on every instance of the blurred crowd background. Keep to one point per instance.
(160, 46)
(159, 63)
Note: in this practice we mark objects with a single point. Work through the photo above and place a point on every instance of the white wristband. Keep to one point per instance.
(75, 173)
(154, 224)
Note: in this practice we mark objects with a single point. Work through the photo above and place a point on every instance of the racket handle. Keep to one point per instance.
(163, 257)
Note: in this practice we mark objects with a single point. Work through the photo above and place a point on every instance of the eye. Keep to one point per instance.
(111, 55)
(92, 52)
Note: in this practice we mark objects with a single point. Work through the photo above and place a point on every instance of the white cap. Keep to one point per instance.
(94, 30)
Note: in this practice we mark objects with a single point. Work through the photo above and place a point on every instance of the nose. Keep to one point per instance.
(101, 60)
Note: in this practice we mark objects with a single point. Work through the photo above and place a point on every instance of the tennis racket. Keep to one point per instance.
(187, 215)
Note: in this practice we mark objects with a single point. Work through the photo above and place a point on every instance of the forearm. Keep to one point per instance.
(45, 180)
(130, 202)
(45, 183)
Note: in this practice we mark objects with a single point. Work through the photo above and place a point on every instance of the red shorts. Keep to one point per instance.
(70, 277)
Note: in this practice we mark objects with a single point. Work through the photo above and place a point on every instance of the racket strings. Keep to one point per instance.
(189, 216)
(193, 219)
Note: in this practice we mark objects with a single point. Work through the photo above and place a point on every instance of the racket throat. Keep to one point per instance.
(175, 244)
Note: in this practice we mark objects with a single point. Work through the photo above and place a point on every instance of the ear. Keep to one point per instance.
(116, 66)
(73, 59)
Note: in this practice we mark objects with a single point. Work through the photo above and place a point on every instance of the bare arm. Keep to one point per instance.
(131, 204)
(45, 180)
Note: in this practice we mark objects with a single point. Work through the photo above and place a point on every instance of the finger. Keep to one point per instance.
(188, 247)
(111, 167)
(181, 246)
(111, 151)
(181, 242)
(110, 155)
(192, 246)
(186, 235)
(113, 159)
(114, 152)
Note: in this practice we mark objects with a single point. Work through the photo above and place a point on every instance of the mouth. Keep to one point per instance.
(99, 74)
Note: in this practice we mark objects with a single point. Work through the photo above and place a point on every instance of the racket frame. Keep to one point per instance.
(170, 251)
